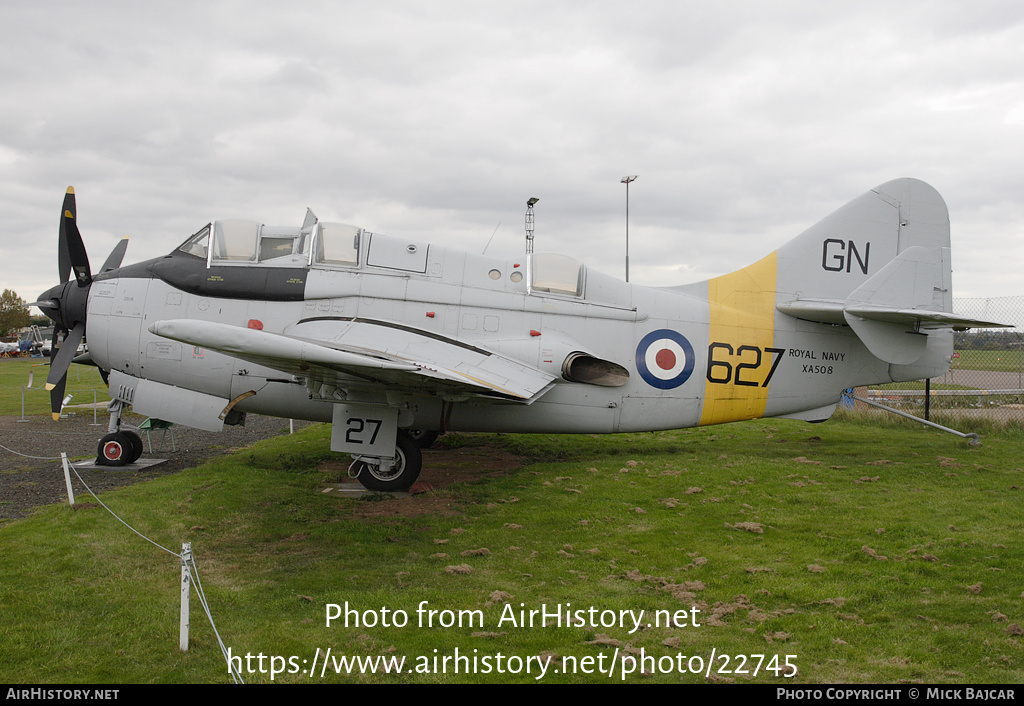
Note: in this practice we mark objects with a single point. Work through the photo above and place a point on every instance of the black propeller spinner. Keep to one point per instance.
(67, 303)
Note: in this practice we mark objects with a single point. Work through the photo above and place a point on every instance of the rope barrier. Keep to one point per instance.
(202, 601)
(75, 470)
(41, 458)
(191, 567)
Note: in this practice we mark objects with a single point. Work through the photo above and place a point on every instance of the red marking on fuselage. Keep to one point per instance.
(665, 359)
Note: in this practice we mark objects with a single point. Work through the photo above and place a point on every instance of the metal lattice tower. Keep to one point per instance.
(529, 224)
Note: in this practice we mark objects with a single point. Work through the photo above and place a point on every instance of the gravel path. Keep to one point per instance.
(26, 483)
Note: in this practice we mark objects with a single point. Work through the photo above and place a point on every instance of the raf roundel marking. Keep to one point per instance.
(664, 359)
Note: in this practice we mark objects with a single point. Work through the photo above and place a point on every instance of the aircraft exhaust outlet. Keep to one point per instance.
(585, 368)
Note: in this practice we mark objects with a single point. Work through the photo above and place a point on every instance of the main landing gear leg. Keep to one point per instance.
(423, 438)
(385, 458)
(119, 447)
(390, 475)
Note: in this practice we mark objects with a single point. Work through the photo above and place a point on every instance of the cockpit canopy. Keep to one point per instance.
(245, 243)
(337, 244)
(557, 274)
(239, 241)
(282, 263)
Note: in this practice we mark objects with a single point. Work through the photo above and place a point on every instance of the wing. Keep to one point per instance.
(354, 353)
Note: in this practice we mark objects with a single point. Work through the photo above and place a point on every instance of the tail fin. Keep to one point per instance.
(839, 253)
(881, 265)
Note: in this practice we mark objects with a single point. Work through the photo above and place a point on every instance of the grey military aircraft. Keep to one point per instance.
(391, 339)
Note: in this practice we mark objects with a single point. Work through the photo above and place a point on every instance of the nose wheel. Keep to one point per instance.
(119, 449)
(120, 446)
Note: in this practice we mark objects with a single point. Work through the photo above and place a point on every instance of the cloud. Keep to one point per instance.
(746, 123)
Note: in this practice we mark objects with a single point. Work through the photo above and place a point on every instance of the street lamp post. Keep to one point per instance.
(529, 243)
(627, 180)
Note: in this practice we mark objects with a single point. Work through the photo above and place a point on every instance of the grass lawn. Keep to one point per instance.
(859, 553)
(1003, 361)
(84, 385)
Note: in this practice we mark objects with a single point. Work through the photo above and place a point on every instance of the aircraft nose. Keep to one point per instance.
(53, 293)
(50, 300)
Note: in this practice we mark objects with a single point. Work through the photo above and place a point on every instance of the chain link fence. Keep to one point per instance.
(985, 380)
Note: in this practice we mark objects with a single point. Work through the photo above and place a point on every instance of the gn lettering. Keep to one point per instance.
(838, 255)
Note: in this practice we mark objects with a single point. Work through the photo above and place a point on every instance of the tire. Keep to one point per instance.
(115, 449)
(400, 477)
(137, 448)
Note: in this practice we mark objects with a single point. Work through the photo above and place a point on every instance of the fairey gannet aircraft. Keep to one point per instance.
(387, 338)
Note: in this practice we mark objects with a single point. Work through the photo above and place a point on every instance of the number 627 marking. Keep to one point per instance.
(722, 372)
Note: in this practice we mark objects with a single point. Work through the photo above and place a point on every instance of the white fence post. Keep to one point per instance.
(186, 583)
(67, 477)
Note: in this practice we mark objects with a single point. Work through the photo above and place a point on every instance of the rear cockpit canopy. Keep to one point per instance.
(336, 244)
(557, 274)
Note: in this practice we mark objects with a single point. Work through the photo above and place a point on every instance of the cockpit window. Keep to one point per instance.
(235, 240)
(244, 242)
(275, 247)
(283, 246)
(557, 274)
(198, 244)
(337, 244)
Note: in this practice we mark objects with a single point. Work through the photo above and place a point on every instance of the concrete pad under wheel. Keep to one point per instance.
(354, 490)
(140, 465)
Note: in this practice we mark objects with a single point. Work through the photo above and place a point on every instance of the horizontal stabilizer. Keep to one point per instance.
(893, 311)
(920, 318)
(832, 312)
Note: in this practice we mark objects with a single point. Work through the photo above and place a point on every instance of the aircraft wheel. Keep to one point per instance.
(115, 449)
(137, 448)
(423, 438)
(400, 476)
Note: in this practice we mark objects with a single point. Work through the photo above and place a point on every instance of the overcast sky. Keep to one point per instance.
(746, 122)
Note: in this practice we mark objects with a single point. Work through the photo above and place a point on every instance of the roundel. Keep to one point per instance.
(664, 359)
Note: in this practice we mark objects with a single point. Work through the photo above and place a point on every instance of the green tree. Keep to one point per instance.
(13, 313)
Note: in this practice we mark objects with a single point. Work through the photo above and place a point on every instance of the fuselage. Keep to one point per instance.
(623, 357)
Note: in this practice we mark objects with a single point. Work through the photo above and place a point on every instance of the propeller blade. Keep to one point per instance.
(76, 251)
(46, 304)
(61, 361)
(57, 398)
(116, 255)
(63, 256)
(57, 392)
